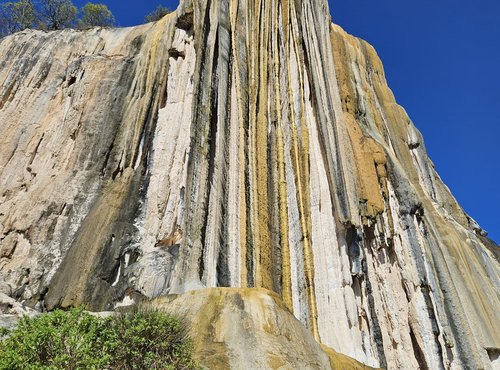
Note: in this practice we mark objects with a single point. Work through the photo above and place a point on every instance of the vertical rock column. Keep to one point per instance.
(248, 202)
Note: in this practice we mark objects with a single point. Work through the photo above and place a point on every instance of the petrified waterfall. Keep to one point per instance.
(238, 143)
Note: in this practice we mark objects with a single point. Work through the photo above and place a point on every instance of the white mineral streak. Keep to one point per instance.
(127, 301)
(163, 208)
(299, 299)
(238, 143)
(331, 273)
(300, 308)
(213, 238)
(234, 189)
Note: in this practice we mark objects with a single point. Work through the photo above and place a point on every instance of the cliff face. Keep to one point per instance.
(238, 143)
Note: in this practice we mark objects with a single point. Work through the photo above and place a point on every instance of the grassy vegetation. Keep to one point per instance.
(75, 339)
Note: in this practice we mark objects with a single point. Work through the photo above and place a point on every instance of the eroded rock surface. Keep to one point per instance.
(249, 329)
(238, 143)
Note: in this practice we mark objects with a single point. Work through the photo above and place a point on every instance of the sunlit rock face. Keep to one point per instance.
(238, 143)
(235, 328)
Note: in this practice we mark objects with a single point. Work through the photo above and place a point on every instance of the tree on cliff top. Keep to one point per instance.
(16, 16)
(157, 14)
(96, 15)
(57, 14)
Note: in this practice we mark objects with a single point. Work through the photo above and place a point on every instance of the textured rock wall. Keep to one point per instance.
(238, 143)
(236, 328)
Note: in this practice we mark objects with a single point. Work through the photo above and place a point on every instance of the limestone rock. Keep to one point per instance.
(11, 312)
(9, 306)
(249, 329)
(238, 143)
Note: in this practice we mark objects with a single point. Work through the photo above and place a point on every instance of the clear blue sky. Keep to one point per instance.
(442, 60)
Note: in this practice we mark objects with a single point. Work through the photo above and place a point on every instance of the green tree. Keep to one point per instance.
(17, 16)
(157, 14)
(58, 14)
(58, 340)
(75, 339)
(96, 15)
(151, 340)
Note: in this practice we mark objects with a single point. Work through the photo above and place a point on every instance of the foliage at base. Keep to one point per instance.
(75, 339)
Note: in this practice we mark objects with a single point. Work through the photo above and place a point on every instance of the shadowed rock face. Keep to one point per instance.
(238, 143)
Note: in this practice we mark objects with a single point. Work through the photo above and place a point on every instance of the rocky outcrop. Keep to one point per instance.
(250, 328)
(238, 143)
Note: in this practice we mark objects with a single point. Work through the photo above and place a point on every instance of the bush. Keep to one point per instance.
(96, 15)
(16, 16)
(157, 14)
(57, 14)
(3, 332)
(75, 339)
(151, 340)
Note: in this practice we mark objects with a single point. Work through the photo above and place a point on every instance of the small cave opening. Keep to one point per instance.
(71, 81)
(414, 145)
(176, 54)
(494, 355)
(185, 21)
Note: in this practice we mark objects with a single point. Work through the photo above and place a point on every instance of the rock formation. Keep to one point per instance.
(238, 143)
(250, 328)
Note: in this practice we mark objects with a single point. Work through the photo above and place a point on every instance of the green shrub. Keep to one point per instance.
(96, 15)
(151, 340)
(157, 14)
(75, 339)
(3, 331)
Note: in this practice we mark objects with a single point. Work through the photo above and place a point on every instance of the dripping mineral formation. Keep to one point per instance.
(244, 144)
